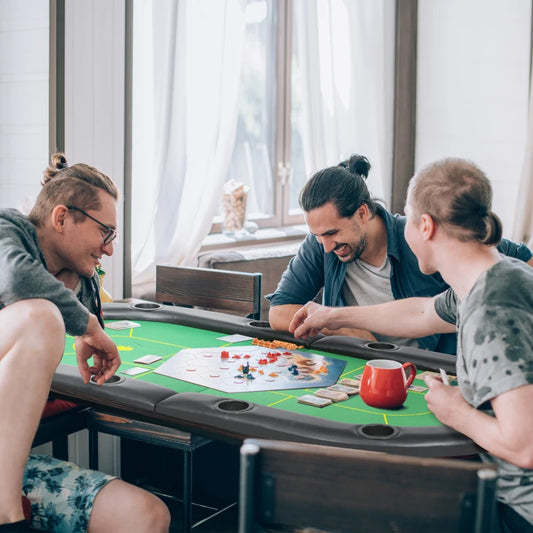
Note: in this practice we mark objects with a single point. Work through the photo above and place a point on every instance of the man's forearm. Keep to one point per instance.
(410, 317)
(280, 316)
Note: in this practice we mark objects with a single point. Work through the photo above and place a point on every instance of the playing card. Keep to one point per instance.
(122, 324)
(237, 337)
(344, 388)
(133, 371)
(148, 359)
(350, 382)
(309, 399)
(422, 375)
(331, 395)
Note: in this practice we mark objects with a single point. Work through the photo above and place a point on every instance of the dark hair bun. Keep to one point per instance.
(493, 229)
(357, 164)
(58, 162)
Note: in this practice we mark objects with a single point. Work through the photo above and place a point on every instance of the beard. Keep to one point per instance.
(354, 251)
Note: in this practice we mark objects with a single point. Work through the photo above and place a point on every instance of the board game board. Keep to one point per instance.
(252, 368)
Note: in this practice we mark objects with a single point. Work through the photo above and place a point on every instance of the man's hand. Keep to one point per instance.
(97, 344)
(309, 320)
(444, 401)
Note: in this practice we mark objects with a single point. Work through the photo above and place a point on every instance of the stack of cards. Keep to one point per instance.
(336, 393)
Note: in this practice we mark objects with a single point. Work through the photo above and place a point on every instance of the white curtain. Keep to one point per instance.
(523, 221)
(185, 88)
(345, 51)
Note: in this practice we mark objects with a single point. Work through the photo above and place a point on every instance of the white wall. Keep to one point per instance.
(23, 100)
(472, 89)
(94, 101)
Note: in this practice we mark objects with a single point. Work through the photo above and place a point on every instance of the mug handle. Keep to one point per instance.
(412, 373)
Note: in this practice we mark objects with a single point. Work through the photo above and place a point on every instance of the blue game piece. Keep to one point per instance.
(250, 376)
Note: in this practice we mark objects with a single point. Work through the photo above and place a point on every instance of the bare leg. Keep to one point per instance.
(122, 507)
(31, 346)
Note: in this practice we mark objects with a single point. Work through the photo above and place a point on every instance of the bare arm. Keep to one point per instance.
(506, 435)
(411, 317)
(280, 317)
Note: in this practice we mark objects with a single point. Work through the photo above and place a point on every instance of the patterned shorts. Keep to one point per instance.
(61, 493)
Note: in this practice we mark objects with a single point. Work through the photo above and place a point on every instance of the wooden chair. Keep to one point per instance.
(304, 487)
(218, 290)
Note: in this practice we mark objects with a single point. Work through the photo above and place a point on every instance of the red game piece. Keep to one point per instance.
(224, 354)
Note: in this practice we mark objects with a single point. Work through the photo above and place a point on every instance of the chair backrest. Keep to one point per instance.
(219, 290)
(291, 486)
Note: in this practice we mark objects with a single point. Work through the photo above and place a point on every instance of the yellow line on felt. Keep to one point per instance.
(342, 406)
(152, 340)
(345, 374)
(281, 400)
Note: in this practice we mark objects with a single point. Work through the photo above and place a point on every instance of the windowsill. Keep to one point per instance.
(217, 241)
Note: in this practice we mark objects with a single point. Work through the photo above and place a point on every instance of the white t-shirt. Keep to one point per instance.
(365, 284)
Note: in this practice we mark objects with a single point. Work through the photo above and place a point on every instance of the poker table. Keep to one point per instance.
(272, 414)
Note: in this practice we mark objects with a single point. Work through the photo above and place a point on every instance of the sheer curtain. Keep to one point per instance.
(523, 221)
(345, 52)
(187, 62)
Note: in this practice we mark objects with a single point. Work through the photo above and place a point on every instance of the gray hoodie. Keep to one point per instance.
(24, 275)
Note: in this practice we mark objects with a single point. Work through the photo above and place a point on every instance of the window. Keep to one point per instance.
(283, 82)
(264, 92)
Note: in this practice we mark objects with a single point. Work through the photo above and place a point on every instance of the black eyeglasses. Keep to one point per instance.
(112, 233)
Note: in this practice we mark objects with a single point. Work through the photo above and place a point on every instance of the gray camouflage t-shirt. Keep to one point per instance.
(495, 354)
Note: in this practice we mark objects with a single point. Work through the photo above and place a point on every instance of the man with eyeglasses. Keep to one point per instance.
(48, 285)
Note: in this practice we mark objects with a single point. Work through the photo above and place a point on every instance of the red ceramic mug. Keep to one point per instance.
(384, 383)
